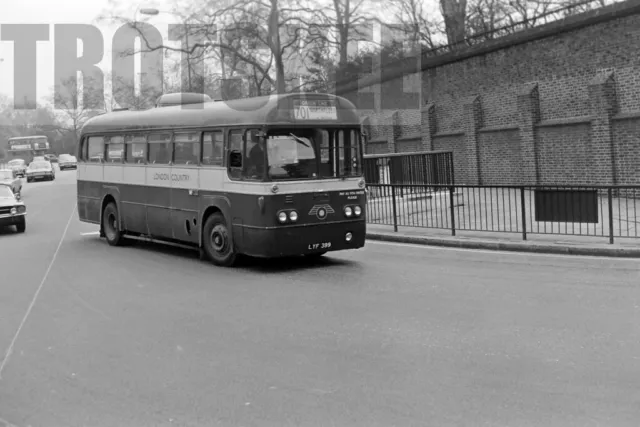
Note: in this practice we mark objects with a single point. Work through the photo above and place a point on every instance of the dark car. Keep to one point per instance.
(18, 165)
(13, 211)
(40, 170)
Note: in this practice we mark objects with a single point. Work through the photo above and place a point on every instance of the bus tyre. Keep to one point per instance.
(217, 241)
(114, 236)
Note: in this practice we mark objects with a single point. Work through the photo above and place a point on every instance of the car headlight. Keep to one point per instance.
(293, 216)
(348, 211)
(357, 210)
(14, 211)
(282, 217)
(22, 209)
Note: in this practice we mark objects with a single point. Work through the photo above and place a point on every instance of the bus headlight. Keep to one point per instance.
(348, 211)
(282, 217)
(293, 216)
(357, 210)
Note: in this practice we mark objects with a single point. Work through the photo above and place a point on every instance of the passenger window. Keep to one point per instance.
(136, 148)
(212, 148)
(186, 148)
(160, 148)
(95, 151)
(235, 154)
(115, 149)
(254, 156)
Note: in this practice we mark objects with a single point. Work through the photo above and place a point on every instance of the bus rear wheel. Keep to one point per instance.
(218, 242)
(114, 236)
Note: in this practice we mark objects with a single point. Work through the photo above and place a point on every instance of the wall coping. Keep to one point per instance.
(408, 66)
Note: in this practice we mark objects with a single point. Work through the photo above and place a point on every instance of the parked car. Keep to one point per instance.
(40, 170)
(67, 161)
(39, 159)
(13, 211)
(9, 177)
(51, 157)
(18, 165)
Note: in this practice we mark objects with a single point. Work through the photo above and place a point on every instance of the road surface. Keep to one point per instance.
(391, 335)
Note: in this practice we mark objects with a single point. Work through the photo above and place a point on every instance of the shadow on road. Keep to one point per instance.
(260, 265)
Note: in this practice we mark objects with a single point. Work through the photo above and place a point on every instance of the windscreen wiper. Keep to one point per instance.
(299, 140)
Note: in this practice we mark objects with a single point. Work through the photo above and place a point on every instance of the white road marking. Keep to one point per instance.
(491, 251)
(35, 296)
(92, 233)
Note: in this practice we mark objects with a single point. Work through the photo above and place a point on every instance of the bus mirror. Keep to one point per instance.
(235, 159)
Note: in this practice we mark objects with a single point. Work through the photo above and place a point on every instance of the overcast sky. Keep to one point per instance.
(66, 12)
(59, 12)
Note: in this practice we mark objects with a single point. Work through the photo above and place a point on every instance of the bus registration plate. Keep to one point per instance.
(316, 246)
(314, 110)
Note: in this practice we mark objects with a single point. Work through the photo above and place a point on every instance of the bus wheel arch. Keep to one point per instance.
(110, 221)
(216, 237)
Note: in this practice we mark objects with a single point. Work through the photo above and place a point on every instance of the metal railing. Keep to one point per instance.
(596, 211)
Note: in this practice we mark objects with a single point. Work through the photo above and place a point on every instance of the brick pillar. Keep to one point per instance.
(393, 131)
(472, 122)
(428, 126)
(365, 128)
(528, 117)
(602, 96)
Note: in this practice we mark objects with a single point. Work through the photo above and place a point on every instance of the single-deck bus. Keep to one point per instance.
(267, 177)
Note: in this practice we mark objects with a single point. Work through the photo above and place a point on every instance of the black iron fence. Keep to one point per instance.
(415, 173)
(604, 211)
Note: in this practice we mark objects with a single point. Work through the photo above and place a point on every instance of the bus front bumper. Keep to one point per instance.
(300, 239)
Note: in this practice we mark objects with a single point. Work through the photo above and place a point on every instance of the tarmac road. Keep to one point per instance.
(391, 335)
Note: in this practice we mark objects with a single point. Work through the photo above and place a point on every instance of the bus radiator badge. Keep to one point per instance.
(321, 211)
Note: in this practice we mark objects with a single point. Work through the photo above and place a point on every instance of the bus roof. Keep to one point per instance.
(17, 138)
(264, 110)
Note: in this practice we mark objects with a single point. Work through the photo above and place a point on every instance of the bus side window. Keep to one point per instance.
(115, 149)
(186, 148)
(160, 151)
(136, 149)
(95, 150)
(212, 148)
(235, 154)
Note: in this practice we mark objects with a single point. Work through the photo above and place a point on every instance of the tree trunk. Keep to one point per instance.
(454, 13)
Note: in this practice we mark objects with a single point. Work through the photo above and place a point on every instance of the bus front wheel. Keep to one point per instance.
(112, 232)
(217, 241)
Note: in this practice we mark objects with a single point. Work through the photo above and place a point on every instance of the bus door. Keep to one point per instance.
(185, 185)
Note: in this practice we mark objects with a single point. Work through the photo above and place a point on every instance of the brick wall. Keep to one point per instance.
(555, 104)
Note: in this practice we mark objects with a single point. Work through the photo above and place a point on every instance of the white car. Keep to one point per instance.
(67, 161)
(10, 177)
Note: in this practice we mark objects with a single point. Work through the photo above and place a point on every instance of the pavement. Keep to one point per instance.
(392, 334)
(492, 219)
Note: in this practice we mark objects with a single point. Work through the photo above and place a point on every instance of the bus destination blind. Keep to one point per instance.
(304, 109)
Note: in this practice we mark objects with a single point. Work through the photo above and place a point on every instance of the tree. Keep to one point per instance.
(77, 103)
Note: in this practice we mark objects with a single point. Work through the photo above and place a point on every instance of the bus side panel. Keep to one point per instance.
(184, 203)
(158, 195)
(133, 198)
(90, 192)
